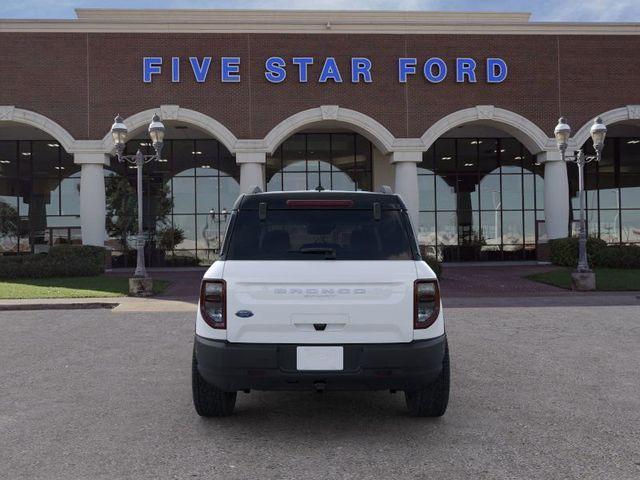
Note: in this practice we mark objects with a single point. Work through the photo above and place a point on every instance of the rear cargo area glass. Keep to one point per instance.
(320, 234)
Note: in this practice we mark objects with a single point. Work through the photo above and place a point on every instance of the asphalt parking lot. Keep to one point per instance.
(550, 392)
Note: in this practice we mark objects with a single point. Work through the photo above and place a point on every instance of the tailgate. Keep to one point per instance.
(320, 302)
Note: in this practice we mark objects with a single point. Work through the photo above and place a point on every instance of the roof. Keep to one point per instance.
(310, 21)
(278, 200)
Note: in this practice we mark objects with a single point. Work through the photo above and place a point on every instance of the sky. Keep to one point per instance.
(542, 10)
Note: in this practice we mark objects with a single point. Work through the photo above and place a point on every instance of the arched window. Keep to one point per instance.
(480, 199)
(332, 161)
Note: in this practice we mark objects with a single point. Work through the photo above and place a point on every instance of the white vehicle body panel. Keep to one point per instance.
(357, 301)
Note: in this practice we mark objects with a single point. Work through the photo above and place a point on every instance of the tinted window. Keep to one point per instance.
(320, 235)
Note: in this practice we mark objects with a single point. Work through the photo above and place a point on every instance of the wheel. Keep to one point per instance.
(432, 400)
(209, 400)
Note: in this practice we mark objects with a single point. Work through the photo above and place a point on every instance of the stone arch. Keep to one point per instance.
(629, 112)
(177, 113)
(373, 130)
(527, 132)
(10, 113)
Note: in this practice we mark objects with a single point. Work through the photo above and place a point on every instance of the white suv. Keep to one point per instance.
(320, 291)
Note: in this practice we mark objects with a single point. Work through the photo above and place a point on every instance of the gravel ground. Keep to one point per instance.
(550, 392)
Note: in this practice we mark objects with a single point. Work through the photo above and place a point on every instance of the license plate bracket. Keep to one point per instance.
(328, 358)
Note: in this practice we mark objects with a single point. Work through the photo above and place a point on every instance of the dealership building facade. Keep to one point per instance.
(455, 111)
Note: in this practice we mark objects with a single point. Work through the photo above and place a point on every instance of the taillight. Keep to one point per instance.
(213, 303)
(426, 303)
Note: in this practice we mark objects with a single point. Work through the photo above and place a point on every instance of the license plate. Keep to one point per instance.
(320, 358)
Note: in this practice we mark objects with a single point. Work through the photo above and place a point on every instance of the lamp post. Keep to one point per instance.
(562, 133)
(119, 133)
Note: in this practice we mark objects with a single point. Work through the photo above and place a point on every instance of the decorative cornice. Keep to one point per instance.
(326, 22)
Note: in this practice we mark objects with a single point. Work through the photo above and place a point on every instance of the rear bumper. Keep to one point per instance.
(392, 366)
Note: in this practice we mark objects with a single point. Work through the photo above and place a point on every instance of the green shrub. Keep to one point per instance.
(61, 261)
(564, 251)
(181, 261)
(168, 238)
(618, 256)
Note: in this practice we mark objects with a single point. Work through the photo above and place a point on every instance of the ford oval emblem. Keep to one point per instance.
(244, 313)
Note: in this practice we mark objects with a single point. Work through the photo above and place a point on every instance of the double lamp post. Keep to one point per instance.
(583, 278)
(140, 284)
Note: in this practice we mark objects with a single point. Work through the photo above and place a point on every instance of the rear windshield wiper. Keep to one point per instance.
(330, 253)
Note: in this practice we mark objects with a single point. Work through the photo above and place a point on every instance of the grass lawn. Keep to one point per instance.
(71, 287)
(607, 279)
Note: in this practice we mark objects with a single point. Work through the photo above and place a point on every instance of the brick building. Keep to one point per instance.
(455, 111)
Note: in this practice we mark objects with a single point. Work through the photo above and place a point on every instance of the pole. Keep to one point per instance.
(583, 263)
(140, 268)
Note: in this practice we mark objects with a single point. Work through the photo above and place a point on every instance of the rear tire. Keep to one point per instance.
(209, 400)
(432, 400)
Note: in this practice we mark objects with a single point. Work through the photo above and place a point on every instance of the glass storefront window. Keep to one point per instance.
(201, 179)
(612, 191)
(426, 192)
(512, 192)
(630, 225)
(477, 201)
(630, 191)
(39, 195)
(306, 161)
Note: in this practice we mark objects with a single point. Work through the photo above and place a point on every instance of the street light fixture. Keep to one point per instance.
(119, 133)
(598, 133)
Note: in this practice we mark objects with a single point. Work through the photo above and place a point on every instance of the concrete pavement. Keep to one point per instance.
(547, 392)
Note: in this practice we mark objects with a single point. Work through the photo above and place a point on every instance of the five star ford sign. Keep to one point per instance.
(361, 69)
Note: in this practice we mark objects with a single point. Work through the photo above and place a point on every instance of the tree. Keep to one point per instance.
(122, 209)
(9, 221)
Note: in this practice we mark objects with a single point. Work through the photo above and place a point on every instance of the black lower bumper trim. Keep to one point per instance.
(391, 366)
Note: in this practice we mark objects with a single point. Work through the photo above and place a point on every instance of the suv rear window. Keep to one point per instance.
(319, 234)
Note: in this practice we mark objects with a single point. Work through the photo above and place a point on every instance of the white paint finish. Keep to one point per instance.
(556, 195)
(251, 171)
(369, 301)
(406, 181)
(527, 132)
(92, 199)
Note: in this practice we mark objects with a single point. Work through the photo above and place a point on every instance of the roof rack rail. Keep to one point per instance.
(386, 189)
(255, 189)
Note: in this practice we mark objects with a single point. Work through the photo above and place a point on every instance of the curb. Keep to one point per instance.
(57, 306)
